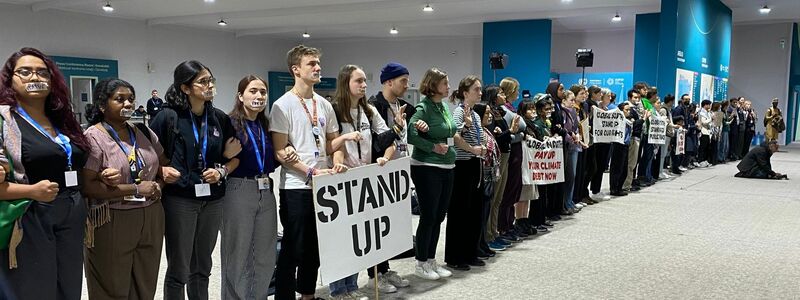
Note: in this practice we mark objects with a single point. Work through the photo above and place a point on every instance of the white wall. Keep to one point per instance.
(458, 57)
(760, 67)
(134, 44)
(613, 51)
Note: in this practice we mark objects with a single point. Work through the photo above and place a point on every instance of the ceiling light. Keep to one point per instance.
(764, 9)
(108, 8)
(209, 1)
(306, 35)
(393, 31)
(566, 1)
(616, 18)
(222, 22)
(427, 8)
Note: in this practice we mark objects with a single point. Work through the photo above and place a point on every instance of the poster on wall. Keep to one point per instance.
(706, 87)
(617, 82)
(686, 82)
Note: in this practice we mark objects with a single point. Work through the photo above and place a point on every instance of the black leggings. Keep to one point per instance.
(464, 213)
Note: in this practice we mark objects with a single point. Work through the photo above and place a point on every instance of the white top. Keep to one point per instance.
(705, 121)
(288, 116)
(365, 146)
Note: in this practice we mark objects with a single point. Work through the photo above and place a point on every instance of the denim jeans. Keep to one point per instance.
(344, 285)
(570, 165)
(724, 144)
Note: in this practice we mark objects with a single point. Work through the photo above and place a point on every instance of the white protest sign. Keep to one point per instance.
(543, 161)
(585, 135)
(658, 130)
(363, 217)
(680, 141)
(608, 126)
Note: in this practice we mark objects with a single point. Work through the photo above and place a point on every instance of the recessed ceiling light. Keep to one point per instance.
(394, 31)
(427, 8)
(306, 35)
(764, 9)
(566, 1)
(108, 8)
(222, 23)
(209, 1)
(616, 18)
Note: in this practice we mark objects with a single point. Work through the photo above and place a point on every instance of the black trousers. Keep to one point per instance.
(464, 213)
(590, 167)
(619, 166)
(298, 261)
(50, 256)
(702, 152)
(537, 210)
(601, 163)
(712, 152)
(434, 187)
(580, 191)
(740, 142)
(487, 193)
(555, 199)
(512, 191)
(748, 139)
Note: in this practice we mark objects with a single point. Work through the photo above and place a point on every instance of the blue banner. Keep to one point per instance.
(617, 82)
(86, 67)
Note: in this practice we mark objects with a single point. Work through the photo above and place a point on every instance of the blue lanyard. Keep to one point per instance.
(204, 128)
(132, 134)
(61, 140)
(263, 145)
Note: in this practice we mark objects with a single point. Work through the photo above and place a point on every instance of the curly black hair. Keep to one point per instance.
(103, 90)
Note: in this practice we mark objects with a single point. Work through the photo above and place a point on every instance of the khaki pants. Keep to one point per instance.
(127, 252)
(499, 187)
(633, 158)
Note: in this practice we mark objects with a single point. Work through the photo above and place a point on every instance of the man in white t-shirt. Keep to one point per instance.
(305, 120)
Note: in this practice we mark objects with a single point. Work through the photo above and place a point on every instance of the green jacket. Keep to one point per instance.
(440, 127)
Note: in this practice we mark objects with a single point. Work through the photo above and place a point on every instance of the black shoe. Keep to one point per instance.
(477, 263)
(635, 188)
(459, 267)
(619, 193)
(542, 229)
(555, 218)
(546, 224)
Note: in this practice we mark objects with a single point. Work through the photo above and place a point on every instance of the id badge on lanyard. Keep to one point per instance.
(70, 176)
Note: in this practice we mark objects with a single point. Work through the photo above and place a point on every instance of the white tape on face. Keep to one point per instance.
(37, 86)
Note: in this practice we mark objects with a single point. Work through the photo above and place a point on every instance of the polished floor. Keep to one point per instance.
(703, 235)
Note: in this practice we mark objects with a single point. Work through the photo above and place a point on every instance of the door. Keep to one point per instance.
(81, 88)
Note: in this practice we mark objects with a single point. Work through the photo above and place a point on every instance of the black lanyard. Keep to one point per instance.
(357, 121)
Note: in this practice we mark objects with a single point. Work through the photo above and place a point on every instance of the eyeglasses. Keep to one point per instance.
(205, 82)
(27, 74)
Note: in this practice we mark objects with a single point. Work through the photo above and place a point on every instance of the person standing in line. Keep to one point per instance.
(619, 155)
(43, 143)
(750, 127)
(580, 190)
(306, 121)
(249, 216)
(123, 187)
(704, 122)
(201, 145)
(154, 104)
(637, 114)
(773, 121)
(555, 90)
(494, 98)
(490, 176)
(513, 187)
(666, 111)
(432, 163)
(573, 147)
(388, 102)
(357, 122)
(724, 138)
(645, 174)
(742, 142)
(465, 209)
(597, 154)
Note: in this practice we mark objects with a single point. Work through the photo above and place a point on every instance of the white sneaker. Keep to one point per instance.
(423, 270)
(356, 295)
(396, 280)
(384, 286)
(600, 197)
(664, 175)
(439, 269)
(579, 205)
(682, 168)
(696, 164)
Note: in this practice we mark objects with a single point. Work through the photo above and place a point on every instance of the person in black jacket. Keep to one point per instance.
(756, 163)
(201, 144)
(154, 104)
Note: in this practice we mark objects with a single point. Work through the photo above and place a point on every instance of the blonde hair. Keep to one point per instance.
(430, 80)
(509, 85)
